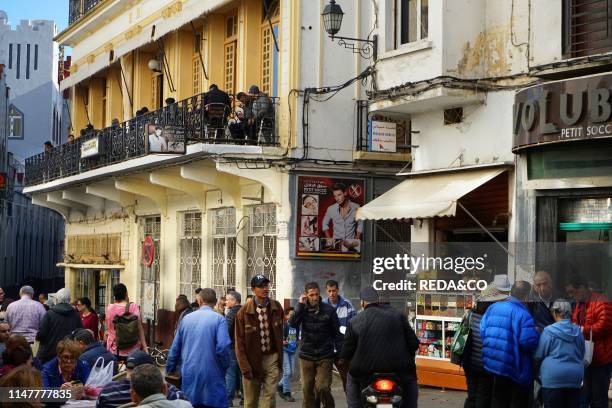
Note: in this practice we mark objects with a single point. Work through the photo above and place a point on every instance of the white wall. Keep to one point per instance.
(37, 32)
(324, 63)
(546, 31)
(484, 135)
(36, 95)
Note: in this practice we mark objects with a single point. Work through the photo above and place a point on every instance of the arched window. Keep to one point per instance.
(15, 123)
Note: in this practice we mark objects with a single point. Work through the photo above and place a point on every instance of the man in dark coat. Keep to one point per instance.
(379, 340)
(215, 95)
(318, 323)
(60, 321)
(93, 349)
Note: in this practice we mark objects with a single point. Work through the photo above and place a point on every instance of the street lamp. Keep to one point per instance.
(332, 20)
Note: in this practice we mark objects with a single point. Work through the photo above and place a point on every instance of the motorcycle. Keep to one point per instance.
(383, 391)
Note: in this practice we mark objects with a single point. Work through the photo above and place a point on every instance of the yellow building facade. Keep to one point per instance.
(225, 204)
(214, 222)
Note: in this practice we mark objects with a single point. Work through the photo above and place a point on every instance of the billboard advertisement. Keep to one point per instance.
(326, 224)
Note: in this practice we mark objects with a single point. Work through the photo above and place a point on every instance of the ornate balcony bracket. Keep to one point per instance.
(368, 49)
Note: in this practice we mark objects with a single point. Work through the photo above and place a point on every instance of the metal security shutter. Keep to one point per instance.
(587, 27)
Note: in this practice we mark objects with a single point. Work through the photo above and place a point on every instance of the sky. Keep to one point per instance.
(18, 10)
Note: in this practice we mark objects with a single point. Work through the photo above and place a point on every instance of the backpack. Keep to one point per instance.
(127, 329)
(461, 339)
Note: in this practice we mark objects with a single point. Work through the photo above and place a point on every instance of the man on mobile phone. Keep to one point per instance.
(318, 323)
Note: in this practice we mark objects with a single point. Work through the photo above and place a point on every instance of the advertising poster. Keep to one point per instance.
(326, 212)
(165, 139)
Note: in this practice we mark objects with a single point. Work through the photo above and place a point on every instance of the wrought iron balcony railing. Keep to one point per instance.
(364, 135)
(78, 8)
(250, 122)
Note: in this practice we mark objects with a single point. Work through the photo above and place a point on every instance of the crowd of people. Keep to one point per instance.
(526, 345)
(222, 348)
(50, 344)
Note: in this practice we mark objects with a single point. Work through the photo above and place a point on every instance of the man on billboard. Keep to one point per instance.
(157, 141)
(341, 215)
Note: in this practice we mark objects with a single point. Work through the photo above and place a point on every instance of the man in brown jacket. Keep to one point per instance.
(259, 344)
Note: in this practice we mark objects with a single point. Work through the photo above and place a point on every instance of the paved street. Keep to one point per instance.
(428, 397)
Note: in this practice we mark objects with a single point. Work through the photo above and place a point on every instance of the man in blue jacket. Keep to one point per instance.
(202, 347)
(509, 339)
(93, 349)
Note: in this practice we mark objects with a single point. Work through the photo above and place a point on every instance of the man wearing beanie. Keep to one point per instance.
(379, 340)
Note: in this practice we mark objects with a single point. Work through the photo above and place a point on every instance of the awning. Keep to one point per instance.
(188, 11)
(89, 266)
(427, 196)
(86, 71)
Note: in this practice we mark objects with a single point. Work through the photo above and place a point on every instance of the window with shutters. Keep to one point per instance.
(230, 49)
(190, 265)
(196, 65)
(269, 53)
(224, 249)
(261, 250)
(587, 27)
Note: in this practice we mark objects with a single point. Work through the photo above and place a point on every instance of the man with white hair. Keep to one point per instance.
(25, 315)
(60, 321)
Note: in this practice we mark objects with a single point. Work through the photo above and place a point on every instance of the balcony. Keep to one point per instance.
(199, 123)
(79, 8)
(372, 144)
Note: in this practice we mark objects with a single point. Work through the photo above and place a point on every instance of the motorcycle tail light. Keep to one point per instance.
(384, 385)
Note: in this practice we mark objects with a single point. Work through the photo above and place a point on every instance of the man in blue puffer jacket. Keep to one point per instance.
(509, 339)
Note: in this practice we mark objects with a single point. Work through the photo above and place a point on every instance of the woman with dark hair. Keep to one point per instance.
(122, 307)
(23, 376)
(89, 317)
(16, 353)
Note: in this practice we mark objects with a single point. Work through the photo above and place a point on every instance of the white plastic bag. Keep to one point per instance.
(589, 346)
(99, 376)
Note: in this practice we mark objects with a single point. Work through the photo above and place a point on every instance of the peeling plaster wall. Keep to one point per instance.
(485, 38)
(467, 39)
